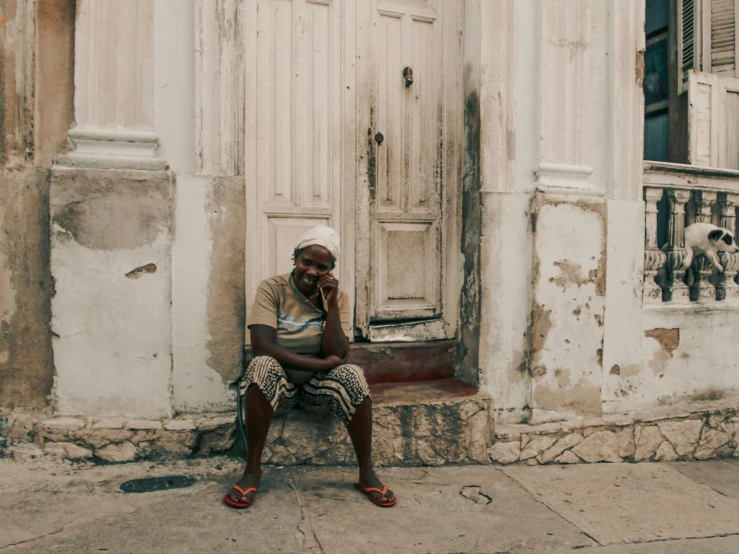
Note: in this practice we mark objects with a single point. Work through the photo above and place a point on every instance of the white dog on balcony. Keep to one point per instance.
(709, 240)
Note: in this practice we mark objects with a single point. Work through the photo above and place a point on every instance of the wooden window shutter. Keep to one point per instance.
(723, 36)
(693, 38)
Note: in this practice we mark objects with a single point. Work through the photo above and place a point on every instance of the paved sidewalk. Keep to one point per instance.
(680, 508)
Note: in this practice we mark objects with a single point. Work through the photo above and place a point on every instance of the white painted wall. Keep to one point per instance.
(174, 83)
(704, 364)
(116, 334)
(113, 343)
(196, 385)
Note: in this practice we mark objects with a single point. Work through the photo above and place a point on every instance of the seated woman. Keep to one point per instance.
(299, 324)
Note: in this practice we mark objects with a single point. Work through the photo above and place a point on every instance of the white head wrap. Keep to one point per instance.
(324, 236)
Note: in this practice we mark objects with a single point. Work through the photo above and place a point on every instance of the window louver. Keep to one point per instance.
(688, 37)
(723, 36)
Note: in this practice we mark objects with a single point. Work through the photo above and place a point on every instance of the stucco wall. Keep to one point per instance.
(26, 367)
(111, 260)
(688, 354)
(36, 96)
(208, 291)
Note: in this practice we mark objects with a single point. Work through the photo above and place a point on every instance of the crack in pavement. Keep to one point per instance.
(555, 512)
(475, 494)
(303, 523)
(50, 534)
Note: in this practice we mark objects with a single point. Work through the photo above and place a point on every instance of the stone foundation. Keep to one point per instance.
(457, 430)
(695, 433)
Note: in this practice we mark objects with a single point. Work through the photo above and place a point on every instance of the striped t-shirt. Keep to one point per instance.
(279, 304)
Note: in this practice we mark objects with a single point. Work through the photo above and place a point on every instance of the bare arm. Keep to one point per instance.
(263, 344)
(334, 340)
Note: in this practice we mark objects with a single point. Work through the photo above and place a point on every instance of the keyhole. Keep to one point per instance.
(408, 76)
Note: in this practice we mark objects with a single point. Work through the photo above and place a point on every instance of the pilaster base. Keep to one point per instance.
(93, 148)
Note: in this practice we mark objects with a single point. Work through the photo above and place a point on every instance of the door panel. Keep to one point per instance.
(294, 127)
(402, 276)
(338, 132)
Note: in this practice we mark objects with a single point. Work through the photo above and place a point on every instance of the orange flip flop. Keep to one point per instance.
(382, 492)
(240, 505)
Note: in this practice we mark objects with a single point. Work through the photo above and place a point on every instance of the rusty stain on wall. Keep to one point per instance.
(572, 274)
(139, 271)
(669, 340)
(581, 399)
(26, 361)
(640, 68)
(707, 395)
(517, 368)
(226, 208)
(55, 78)
(36, 110)
(628, 370)
(539, 327)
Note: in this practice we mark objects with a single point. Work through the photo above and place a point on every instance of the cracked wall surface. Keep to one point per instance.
(36, 110)
(112, 334)
(565, 359)
(208, 291)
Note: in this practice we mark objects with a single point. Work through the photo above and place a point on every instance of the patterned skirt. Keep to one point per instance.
(338, 392)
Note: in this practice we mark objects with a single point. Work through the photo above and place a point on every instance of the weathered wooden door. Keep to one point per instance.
(319, 74)
(409, 75)
(294, 123)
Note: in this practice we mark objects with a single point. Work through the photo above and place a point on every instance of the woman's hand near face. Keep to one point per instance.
(329, 285)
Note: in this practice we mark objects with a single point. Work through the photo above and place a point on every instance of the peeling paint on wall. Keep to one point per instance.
(226, 210)
(566, 331)
(26, 364)
(640, 68)
(669, 340)
(114, 345)
(471, 231)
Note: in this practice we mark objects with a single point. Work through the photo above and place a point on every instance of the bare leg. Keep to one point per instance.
(259, 414)
(360, 431)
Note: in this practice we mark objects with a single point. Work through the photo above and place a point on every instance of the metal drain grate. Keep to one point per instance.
(151, 484)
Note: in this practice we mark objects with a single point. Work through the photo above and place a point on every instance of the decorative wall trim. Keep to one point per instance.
(114, 87)
(565, 103)
(114, 64)
(220, 87)
(627, 42)
(565, 179)
(497, 97)
(95, 148)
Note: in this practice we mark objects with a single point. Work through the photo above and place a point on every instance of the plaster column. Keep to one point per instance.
(210, 202)
(569, 215)
(114, 87)
(111, 225)
(632, 240)
(564, 95)
(502, 233)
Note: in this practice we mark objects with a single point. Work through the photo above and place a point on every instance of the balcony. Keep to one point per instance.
(676, 196)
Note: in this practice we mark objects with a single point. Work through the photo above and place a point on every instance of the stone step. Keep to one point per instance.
(406, 362)
(403, 362)
(415, 424)
(421, 423)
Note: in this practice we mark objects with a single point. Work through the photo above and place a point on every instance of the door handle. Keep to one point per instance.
(379, 137)
(408, 76)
